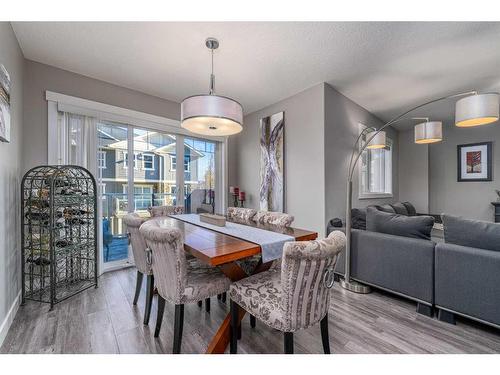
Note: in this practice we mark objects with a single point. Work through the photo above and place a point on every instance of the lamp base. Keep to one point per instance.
(354, 286)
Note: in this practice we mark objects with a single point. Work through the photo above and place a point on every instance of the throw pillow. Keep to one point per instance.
(471, 233)
(399, 225)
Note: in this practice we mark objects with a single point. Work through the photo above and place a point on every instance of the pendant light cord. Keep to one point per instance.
(212, 76)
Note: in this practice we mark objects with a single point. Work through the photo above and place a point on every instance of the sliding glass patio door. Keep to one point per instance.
(136, 168)
(134, 173)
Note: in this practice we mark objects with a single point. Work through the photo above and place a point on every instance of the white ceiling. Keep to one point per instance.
(385, 67)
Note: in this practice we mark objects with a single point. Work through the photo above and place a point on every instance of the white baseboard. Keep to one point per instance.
(4, 327)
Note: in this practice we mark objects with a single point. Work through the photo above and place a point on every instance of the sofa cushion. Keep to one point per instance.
(399, 225)
(399, 208)
(385, 208)
(358, 218)
(471, 233)
(410, 208)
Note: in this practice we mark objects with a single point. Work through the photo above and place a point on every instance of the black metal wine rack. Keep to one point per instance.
(59, 233)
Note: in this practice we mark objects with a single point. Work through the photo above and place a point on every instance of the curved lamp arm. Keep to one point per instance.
(352, 166)
(346, 283)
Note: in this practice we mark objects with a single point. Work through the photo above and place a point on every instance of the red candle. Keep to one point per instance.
(242, 196)
(236, 190)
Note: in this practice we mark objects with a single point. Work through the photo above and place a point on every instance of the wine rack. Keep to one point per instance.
(59, 233)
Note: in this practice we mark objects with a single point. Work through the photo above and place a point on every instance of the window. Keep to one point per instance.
(148, 162)
(101, 159)
(143, 196)
(125, 158)
(173, 163)
(173, 189)
(375, 178)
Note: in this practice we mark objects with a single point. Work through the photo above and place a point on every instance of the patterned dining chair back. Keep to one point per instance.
(168, 258)
(156, 211)
(133, 221)
(306, 279)
(240, 213)
(274, 218)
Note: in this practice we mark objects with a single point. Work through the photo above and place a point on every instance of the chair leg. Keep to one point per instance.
(233, 346)
(288, 342)
(252, 321)
(159, 316)
(207, 305)
(150, 283)
(178, 325)
(224, 296)
(324, 334)
(138, 285)
(200, 303)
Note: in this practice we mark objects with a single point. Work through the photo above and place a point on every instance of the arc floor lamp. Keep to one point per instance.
(473, 109)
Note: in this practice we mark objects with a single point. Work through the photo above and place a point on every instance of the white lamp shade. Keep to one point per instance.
(378, 141)
(477, 110)
(429, 132)
(211, 115)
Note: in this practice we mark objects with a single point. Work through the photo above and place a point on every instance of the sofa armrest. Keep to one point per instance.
(400, 264)
(468, 281)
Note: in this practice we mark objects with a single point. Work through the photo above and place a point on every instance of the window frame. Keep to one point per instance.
(125, 160)
(101, 159)
(187, 167)
(152, 161)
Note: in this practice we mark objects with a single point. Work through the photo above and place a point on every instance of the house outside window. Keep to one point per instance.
(173, 163)
(125, 158)
(142, 196)
(101, 159)
(375, 180)
(148, 162)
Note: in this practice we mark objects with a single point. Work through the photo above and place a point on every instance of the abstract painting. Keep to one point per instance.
(474, 162)
(4, 105)
(272, 190)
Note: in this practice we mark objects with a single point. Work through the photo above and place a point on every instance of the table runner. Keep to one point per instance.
(271, 243)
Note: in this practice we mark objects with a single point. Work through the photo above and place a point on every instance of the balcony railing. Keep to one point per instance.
(116, 204)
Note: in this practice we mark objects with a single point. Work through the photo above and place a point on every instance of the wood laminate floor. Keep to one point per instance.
(104, 320)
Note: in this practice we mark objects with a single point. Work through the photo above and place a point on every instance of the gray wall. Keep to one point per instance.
(342, 118)
(413, 171)
(468, 199)
(321, 126)
(304, 157)
(40, 77)
(10, 172)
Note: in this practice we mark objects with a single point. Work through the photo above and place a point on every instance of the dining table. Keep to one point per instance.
(221, 250)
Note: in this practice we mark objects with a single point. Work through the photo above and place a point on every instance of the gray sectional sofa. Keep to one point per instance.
(467, 271)
(404, 266)
(459, 276)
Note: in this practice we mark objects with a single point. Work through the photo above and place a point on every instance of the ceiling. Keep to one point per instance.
(385, 67)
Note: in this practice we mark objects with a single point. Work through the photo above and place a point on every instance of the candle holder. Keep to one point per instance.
(241, 198)
(235, 191)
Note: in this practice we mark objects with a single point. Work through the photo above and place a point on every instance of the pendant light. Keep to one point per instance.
(210, 114)
(378, 141)
(429, 132)
(478, 109)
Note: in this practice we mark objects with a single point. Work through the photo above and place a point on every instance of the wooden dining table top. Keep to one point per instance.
(217, 248)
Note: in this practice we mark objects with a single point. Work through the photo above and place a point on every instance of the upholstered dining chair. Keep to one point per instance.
(175, 281)
(295, 297)
(273, 218)
(156, 211)
(133, 221)
(240, 213)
